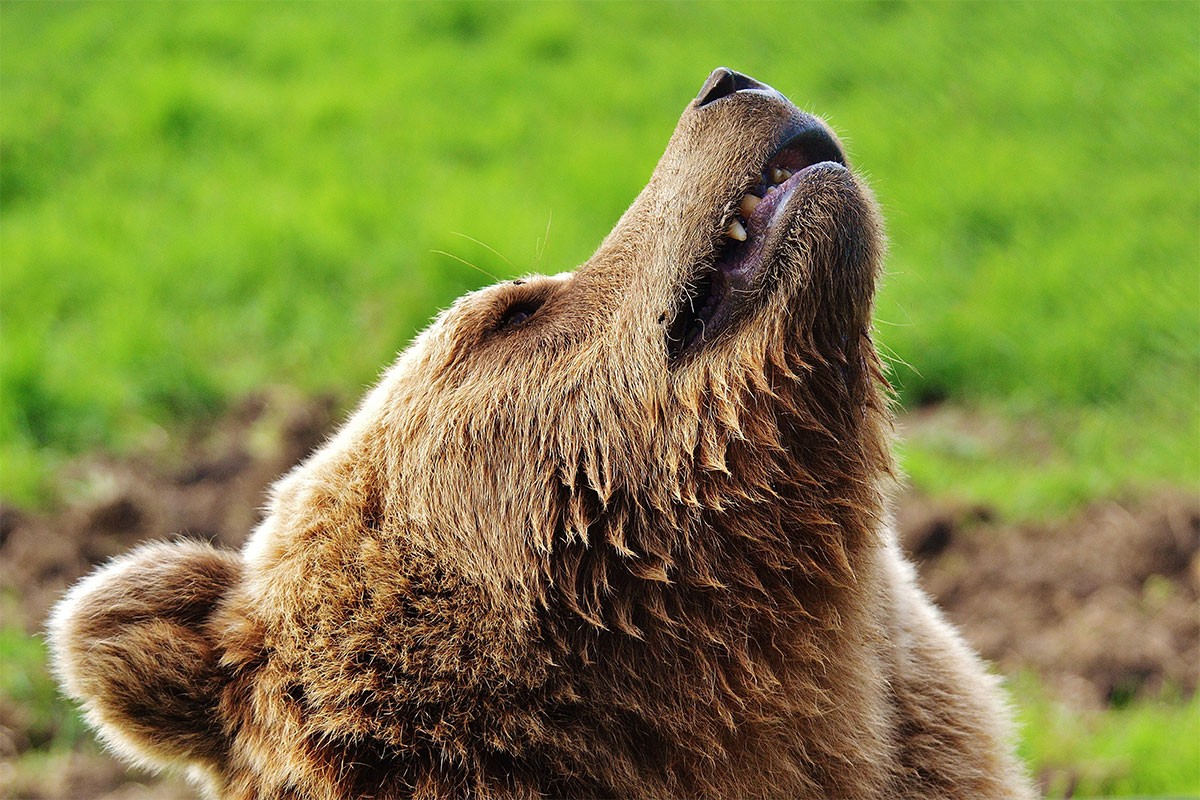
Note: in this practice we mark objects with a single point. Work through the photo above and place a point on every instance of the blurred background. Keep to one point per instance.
(220, 221)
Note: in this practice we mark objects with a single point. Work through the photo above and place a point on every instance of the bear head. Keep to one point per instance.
(584, 521)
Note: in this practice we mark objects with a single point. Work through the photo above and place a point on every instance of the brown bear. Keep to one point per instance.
(621, 532)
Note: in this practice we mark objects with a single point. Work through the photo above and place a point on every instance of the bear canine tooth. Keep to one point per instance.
(780, 175)
(748, 204)
(736, 231)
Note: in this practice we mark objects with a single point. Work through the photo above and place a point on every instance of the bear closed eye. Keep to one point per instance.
(616, 532)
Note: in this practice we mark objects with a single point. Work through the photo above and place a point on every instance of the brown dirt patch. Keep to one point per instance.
(1105, 607)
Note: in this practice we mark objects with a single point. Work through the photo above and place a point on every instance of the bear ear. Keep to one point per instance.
(132, 643)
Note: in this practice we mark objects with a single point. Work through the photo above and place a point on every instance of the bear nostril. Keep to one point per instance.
(724, 81)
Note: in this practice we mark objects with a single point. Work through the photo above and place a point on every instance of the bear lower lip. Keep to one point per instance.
(745, 258)
(712, 303)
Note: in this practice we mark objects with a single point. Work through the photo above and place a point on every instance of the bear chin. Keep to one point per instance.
(616, 532)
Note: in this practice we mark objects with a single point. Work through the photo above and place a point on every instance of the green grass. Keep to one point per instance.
(28, 692)
(1033, 463)
(199, 199)
(1148, 748)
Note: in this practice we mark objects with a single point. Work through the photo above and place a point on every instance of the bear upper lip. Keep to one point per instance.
(748, 236)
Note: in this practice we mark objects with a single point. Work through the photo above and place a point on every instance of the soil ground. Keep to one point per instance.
(1104, 607)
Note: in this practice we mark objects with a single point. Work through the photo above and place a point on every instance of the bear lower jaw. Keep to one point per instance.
(721, 291)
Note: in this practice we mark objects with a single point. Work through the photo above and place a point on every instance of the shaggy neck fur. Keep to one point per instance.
(732, 572)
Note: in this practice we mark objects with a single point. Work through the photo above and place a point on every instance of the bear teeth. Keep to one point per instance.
(736, 229)
(748, 204)
(772, 177)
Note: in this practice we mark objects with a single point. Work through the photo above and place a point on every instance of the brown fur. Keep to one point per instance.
(550, 560)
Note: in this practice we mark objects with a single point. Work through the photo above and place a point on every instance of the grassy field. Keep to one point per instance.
(200, 199)
(1146, 749)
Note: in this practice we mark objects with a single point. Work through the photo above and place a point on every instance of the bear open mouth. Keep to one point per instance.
(747, 239)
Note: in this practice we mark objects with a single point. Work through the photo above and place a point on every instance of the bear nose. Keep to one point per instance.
(722, 82)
